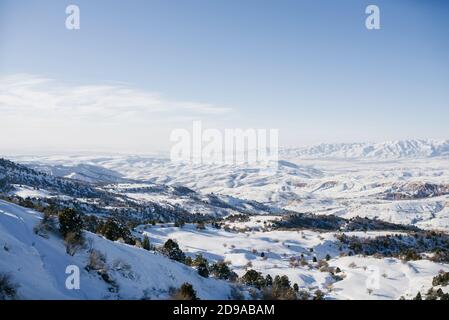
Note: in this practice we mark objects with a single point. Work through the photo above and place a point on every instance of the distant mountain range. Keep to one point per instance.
(382, 150)
(139, 200)
(323, 203)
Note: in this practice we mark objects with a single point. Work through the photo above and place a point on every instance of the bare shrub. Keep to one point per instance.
(97, 261)
(8, 289)
(45, 226)
(73, 243)
(124, 269)
(303, 295)
(185, 292)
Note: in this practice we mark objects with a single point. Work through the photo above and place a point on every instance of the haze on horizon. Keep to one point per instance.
(136, 71)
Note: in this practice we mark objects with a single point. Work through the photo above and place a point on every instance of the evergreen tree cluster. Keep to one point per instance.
(442, 279)
(70, 222)
(171, 249)
(222, 271)
(114, 230)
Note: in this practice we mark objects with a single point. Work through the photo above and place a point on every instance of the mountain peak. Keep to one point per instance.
(412, 148)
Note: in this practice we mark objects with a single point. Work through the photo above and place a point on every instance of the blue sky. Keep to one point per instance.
(309, 68)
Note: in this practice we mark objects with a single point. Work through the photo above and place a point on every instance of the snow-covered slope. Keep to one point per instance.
(384, 150)
(37, 265)
(411, 191)
(132, 200)
(405, 190)
(278, 252)
(81, 172)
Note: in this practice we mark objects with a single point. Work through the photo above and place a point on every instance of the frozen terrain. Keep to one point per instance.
(38, 265)
(402, 182)
(277, 252)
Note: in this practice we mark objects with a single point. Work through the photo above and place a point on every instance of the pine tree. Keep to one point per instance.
(254, 278)
(70, 222)
(268, 280)
(221, 270)
(199, 259)
(146, 243)
(113, 230)
(172, 250)
(281, 282)
(281, 289)
(319, 295)
(188, 261)
(203, 270)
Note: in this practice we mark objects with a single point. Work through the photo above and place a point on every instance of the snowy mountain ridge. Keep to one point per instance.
(138, 200)
(412, 148)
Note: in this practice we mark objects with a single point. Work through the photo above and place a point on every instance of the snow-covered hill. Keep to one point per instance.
(38, 265)
(134, 200)
(12, 174)
(291, 253)
(411, 189)
(81, 172)
(408, 190)
(383, 150)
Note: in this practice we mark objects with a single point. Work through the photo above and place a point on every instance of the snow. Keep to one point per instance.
(396, 278)
(27, 192)
(346, 180)
(412, 148)
(346, 187)
(38, 265)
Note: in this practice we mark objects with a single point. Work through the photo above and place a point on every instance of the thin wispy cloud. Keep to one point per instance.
(38, 97)
(40, 113)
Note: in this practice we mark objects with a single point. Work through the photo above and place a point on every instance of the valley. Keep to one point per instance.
(332, 219)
